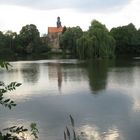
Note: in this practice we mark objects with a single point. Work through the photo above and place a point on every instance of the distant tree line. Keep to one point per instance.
(99, 42)
(127, 39)
(28, 41)
(96, 42)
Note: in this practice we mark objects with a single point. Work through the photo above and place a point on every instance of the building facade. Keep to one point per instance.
(54, 35)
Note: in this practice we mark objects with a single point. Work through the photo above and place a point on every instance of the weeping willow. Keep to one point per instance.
(85, 47)
(82, 44)
(96, 42)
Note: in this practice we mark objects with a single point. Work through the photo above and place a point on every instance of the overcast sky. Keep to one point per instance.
(43, 13)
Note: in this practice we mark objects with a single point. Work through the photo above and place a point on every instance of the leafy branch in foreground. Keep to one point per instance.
(14, 132)
(34, 130)
(4, 64)
(19, 133)
(5, 88)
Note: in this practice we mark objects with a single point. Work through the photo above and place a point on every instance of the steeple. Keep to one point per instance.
(58, 22)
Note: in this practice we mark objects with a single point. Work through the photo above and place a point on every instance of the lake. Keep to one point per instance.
(103, 96)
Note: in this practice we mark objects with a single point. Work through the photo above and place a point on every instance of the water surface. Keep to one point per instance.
(103, 96)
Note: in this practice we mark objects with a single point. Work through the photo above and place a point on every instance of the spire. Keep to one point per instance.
(58, 22)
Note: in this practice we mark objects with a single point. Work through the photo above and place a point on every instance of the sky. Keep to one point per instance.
(14, 14)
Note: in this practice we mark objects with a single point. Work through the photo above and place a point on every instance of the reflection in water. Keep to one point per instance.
(65, 73)
(125, 75)
(121, 76)
(136, 104)
(55, 71)
(113, 115)
(30, 72)
(135, 89)
(97, 71)
(59, 73)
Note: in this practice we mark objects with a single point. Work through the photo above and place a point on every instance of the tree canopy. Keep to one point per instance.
(127, 39)
(28, 41)
(96, 42)
(69, 37)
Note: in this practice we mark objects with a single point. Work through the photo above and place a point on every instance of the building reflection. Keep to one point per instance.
(97, 72)
(55, 73)
(66, 75)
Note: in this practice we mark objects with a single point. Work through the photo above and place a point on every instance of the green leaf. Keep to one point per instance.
(9, 106)
(18, 84)
(4, 64)
(6, 100)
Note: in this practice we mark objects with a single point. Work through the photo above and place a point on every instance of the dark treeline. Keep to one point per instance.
(96, 42)
(127, 39)
(27, 42)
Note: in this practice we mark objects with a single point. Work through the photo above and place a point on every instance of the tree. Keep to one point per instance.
(29, 38)
(7, 42)
(138, 42)
(86, 46)
(69, 37)
(105, 43)
(126, 39)
(2, 38)
(96, 42)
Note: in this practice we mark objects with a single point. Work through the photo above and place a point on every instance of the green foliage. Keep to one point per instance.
(7, 39)
(34, 130)
(104, 43)
(6, 44)
(69, 37)
(2, 40)
(127, 39)
(97, 25)
(28, 34)
(29, 38)
(28, 41)
(64, 29)
(86, 46)
(5, 88)
(4, 64)
(96, 42)
(19, 49)
(18, 133)
(14, 132)
(10, 38)
(42, 49)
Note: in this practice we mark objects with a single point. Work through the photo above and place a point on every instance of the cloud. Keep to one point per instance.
(17, 14)
(82, 5)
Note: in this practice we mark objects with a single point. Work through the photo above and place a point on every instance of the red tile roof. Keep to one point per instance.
(55, 29)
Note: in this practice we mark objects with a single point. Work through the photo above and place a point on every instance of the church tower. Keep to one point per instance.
(54, 35)
(58, 22)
